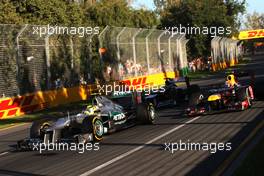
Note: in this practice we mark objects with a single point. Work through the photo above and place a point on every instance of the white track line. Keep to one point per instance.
(4, 153)
(89, 172)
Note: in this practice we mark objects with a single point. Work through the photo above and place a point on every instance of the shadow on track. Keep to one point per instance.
(15, 173)
(211, 163)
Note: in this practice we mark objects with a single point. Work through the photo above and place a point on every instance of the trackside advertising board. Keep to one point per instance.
(17, 106)
(252, 34)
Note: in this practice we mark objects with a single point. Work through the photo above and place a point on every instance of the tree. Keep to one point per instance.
(54, 12)
(163, 4)
(119, 13)
(201, 13)
(254, 21)
(8, 13)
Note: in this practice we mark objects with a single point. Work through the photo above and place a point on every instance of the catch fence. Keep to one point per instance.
(225, 52)
(142, 51)
(31, 62)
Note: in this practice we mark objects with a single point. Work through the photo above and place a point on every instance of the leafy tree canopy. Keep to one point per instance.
(200, 13)
(8, 13)
(119, 13)
(254, 21)
(62, 12)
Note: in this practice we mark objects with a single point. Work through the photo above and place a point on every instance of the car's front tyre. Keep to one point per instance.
(93, 125)
(38, 127)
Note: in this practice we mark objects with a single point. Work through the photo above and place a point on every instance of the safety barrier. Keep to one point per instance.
(251, 34)
(20, 105)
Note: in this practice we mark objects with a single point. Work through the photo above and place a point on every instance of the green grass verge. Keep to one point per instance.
(253, 165)
(51, 112)
(200, 74)
(204, 74)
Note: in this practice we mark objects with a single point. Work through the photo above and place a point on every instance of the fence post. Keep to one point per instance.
(100, 45)
(178, 51)
(17, 58)
(89, 74)
(161, 34)
(47, 52)
(169, 47)
(100, 35)
(185, 56)
(134, 49)
(117, 43)
(72, 53)
(181, 53)
(147, 49)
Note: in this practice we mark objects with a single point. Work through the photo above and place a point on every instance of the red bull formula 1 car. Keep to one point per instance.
(231, 96)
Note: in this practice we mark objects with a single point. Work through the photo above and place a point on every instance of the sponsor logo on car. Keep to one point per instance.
(119, 117)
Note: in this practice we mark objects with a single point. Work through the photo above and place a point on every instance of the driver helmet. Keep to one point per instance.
(91, 109)
(231, 80)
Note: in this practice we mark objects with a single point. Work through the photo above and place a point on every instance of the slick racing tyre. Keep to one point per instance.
(250, 96)
(145, 113)
(38, 127)
(93, 125)
(195, 98)
(243, 95)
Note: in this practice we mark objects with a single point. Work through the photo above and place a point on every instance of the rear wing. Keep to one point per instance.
(185, 80)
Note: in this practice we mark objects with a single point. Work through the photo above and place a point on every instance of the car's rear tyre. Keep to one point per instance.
(93, 125)
(250, 96)
(145, 113)
(241, 94)
(195, 98)
(38, 127)
(244, 96)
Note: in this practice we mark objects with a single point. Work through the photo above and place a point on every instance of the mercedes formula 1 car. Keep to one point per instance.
(221, 98)
(103, 115)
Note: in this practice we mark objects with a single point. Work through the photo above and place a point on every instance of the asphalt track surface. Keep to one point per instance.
(140, 150)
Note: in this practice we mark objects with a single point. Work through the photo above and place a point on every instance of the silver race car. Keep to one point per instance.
(103, 114)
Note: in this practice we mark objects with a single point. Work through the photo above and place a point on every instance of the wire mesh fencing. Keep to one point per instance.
(135, 52)
(32, 60)
(8, 60)
(225, 52)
